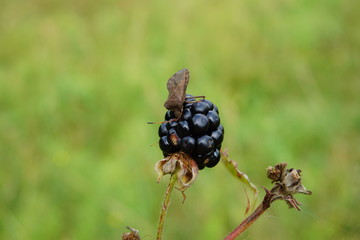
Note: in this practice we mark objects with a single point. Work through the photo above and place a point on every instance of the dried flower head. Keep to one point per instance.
(287, 183)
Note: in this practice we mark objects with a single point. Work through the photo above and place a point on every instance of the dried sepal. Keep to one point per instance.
(180, 164)
(165, 166)
(276, 173)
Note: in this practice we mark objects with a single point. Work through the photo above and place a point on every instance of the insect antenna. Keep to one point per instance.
(202, 99)
(172, 120)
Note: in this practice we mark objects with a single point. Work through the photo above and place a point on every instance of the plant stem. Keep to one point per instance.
(165, 204)
(268, 199)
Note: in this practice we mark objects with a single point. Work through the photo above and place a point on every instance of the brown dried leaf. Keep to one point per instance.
(176, 86)
(248, 204)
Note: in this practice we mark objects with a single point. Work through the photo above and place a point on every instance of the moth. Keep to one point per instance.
(176, 86)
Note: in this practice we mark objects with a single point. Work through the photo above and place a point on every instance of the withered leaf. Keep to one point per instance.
(176, 86)
(232, 166)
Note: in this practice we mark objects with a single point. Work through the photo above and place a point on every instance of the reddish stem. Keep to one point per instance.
(268, 199)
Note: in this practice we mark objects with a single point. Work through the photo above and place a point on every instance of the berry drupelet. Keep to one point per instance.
(197, 132)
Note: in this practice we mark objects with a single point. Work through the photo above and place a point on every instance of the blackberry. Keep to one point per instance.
(188, 144)
(200, 124)
(200, 107)
(204, 145)
(165, 146)
(197, 132)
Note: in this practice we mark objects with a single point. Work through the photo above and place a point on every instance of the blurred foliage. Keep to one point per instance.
(80, 79)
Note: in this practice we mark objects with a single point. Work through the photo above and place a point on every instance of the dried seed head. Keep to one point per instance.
(287, 183)
(132, 235)
(276, 173)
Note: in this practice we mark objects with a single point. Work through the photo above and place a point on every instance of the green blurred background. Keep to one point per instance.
(80, 79)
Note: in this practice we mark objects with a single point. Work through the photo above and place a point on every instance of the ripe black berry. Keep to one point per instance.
(183, 129)
(169, 115)
(165, 146)
(204, 145)
(214, 159)
(172, 124)
(188, 145)
(214, 120)
(200, 124)
(187, 114)
(200, 107)
(197, 132)
(163, 129)
(218, 137)
(202, 160)
(210, 104)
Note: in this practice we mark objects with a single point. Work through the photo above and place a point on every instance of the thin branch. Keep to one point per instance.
(268, 199)
(287, 183)
(165, 205)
